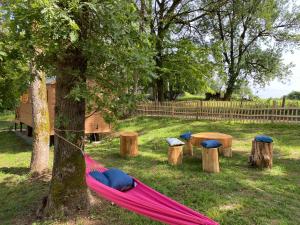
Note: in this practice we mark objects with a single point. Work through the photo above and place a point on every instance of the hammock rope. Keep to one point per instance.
(67, 141)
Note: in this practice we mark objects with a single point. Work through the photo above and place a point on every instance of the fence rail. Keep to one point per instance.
(220, 110)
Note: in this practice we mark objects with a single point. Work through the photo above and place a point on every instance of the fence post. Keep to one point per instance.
(283, 101)
(172, 108)
(273, 111)
(197, 111)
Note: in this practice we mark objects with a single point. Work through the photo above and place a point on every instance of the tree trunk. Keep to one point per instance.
(160, 89)
(41, 123)
(261, 154)
(68, 189)
(230, 85)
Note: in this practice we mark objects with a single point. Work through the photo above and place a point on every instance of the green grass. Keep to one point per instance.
(190, 97)
(237, 195)
(6, 121)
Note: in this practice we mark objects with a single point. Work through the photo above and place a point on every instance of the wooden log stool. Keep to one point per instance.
(188, 147)
(175, 152)
(128, 144)
(262, 152)
(210, 156)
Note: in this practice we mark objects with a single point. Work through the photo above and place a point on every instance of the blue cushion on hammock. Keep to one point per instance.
(211, 144)
(186, 135)
(263, 138)
(99, 177)
(174, 142)
(118, 179)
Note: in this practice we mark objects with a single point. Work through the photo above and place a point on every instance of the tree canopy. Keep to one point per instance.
(294, 95)
(252, 35)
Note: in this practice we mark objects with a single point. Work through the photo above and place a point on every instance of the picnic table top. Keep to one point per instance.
(225, 139)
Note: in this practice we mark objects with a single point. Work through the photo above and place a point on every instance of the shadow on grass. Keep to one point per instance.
(20, 200)
(6, 125)
(14, 170)
(10, 143)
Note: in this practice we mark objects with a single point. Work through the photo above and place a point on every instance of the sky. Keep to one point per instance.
(277, 89)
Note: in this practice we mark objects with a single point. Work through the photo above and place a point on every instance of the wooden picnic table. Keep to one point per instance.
(225, 139)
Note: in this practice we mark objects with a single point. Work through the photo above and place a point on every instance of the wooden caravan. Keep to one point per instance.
(94, 123)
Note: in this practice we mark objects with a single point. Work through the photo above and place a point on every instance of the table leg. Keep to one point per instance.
(226, 152)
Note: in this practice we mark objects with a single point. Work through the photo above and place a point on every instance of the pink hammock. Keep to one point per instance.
(145, 201)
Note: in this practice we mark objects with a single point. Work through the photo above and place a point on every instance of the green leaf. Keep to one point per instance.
(3, 53)
(73, 36)
(74, 25)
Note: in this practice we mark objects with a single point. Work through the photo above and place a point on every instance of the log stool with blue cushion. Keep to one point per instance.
(188, 147)
(175, 152)
(262, 152)
(210, 156)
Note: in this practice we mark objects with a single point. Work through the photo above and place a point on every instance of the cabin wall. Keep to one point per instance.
(96, 124)
(93, 124)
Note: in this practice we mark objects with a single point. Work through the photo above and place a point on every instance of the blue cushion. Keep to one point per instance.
(174, 142)
(99, 177)
(211, 144)
(263, 138)
(186, 135)
(118, 179)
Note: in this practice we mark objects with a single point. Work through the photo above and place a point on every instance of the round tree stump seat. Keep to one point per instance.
(262, 153)
(128, 144)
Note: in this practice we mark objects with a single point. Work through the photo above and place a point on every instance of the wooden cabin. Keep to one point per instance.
(94, 124)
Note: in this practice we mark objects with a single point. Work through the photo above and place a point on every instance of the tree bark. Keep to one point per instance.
(41, 123)
(261, 155)
(230, 84)
(68, 190)
(160, 89)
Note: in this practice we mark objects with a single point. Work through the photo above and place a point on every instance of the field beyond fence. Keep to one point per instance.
(244, 111)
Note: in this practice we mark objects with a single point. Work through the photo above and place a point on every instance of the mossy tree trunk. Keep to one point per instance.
(41, 127)
(68, 189)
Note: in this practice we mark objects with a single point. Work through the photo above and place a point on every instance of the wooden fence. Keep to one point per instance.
(222, 110)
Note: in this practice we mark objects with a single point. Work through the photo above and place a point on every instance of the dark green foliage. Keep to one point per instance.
(185, 67)
(13, 71)
(294, 95)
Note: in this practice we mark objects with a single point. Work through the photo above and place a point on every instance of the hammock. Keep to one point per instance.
(145, 201)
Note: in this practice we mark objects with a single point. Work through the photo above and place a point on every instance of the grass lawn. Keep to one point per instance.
(237, 195)
(189, 97)
(5, 121)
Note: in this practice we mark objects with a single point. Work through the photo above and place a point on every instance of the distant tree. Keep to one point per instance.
(252, 36)
(185, 67)
(294, 95)
(14, 73)
(171, 27)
